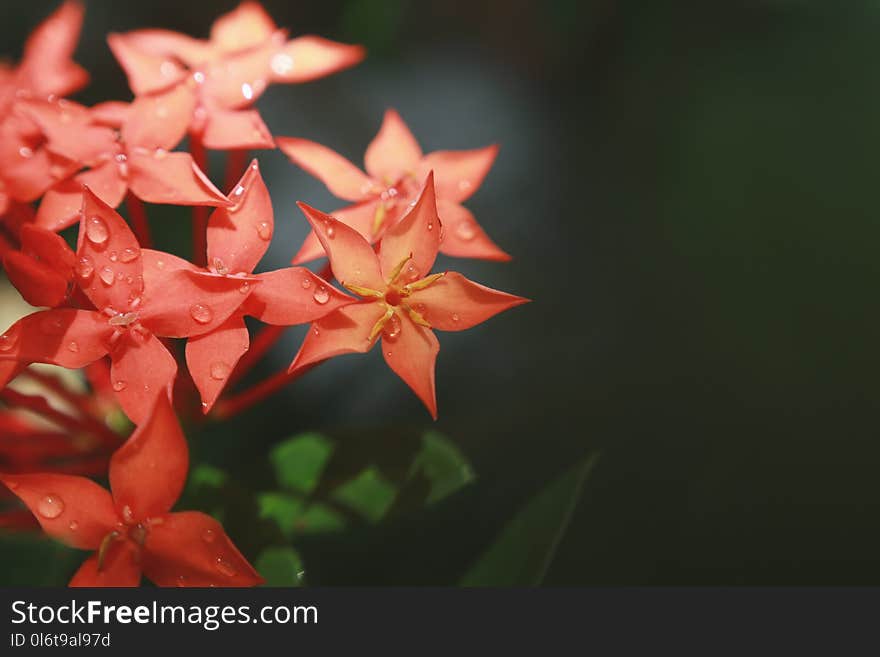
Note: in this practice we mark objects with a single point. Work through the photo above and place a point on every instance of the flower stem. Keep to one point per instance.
(227, 408)
(235, 163)
(139, 222)
(200, 213)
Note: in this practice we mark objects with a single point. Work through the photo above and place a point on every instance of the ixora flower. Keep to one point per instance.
(401, 301)
(395, 168)
(131, 528)
(136, 157)
(245, 53)
(237, 239)
(42, 270)
(130, 315)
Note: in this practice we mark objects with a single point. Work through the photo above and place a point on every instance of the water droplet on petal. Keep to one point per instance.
(220, 370)
(9, 339)
(281, 63)
(225, 567)
(316, 331)
(114, 256)
(430, 225)
(119, 385)
(219, 266)
(245, 287)
(306, 283)
(455, 317)
(247, 91)
(120, 275)
(264, 230)
(25, 152)
(392, 328)
(199, 77)
(465, 230)
(107, 276)
(50, 506)
(464, 185)
(331, 231)
(73, 526)
(127, 515)
(96, 230)
(208, 536)
(160, 264)
(201, 313)
(129, 255)
(321, 295)
(73, 346)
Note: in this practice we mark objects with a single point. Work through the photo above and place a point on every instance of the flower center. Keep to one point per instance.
(393, 296)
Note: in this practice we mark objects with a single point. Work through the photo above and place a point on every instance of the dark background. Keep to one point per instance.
(689, 193)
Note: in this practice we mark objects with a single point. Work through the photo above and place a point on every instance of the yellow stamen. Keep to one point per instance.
(399, 268)
(425, 282)
(379, 325)
(378, 218)
(417, 317)
(105, 545)
(363, 291)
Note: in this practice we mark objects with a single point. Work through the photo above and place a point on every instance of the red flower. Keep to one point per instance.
(135, 157)
(42, 270)
(402, 302)
(395, 167)
(246, 53)
(238, 237)
(130, 528)
(130, 315)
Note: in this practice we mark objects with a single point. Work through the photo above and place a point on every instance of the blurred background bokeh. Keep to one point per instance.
(689, 193)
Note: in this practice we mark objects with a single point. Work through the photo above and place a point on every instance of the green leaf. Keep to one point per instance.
(523, 552)
(300, 461)
(294, 516)
(280, 566)
(207, 476)
(369, 494)
(443, 465)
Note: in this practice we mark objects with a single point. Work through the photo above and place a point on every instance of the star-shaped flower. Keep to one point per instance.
(238, 237)
(136, 157)
(130, 316)
(245, 53)
(401, 301)
(395, 168)
(130, 528)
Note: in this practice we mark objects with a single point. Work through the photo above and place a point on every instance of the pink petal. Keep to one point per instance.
(246, 26)
(61, 204)
(60, 502)
(416, 236)
(359, 216)
(148, 472)
(191, 549)
(351, 257)
(110, 270)
(106, 183)
(454, 303)
(142, 370)
(193, 52)
(236, 129)
(293, 296)
(239, 235)
(238, 80)
(462, 235)
(412, 355)
(111, 113)
(342, 178)
(345, 331)
(62, 336)
(394, 152)
(311, 57)
(171, 178)
(119, 568)
(69, 130)
(211, 358)
(147, 73)
(38, 283)
(47, 62)
(159, 120)
(459, 174)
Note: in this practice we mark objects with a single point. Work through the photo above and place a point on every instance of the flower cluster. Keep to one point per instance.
(113, 306)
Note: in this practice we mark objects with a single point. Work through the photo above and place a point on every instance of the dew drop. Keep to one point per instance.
(96, 230)
(238, 191)
(119, 385)
(464, 185)
(465, 230)
(306, 283)
(245, 287)
(321, 295)
(9, 339)
(127, 515)
(392, 328)
(220, 370)
(114, 256)
(181, 581)
(455, 317)
(73, 526)
(264, 230)
(160, 153)
(208, 536)
(129, 255)
(219, 266)
(331, 231)
(247, 91)
(160, 264)
(50, 506)
(120, 275)
(107, 276)
(25, 152)
(281, 63)
(430, 225)
(316, 331)
(199, 77)
(72, 346)
(201, 313)
(225, 567)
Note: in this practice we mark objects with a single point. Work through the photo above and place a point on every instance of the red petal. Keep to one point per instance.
(28, 179)
(73, 510)
(454, 303)
(246, 26)
(359, 216)
(111, 113)
(310, 57)
(459, 173)
(160, 266)
(417, 235)
(39, 284)
(239, 235)
(142, 369)
(47, 53)
(342, 178)
(345, 331)
(238, 80)
(412, 355)
(110, 255)
(148, 472)
(48, 247)
(192, 52)
(105, 182)
(236, 129)
(192, 303)
(69, 130)
(212, 357)
(171, 178)
(293, 296)
(159, 120)
(351, 257)
(120, 568)
(147, 73)
(191, 549)
(61, 204)
(62, 336)
(394, 151)
(462, 235)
